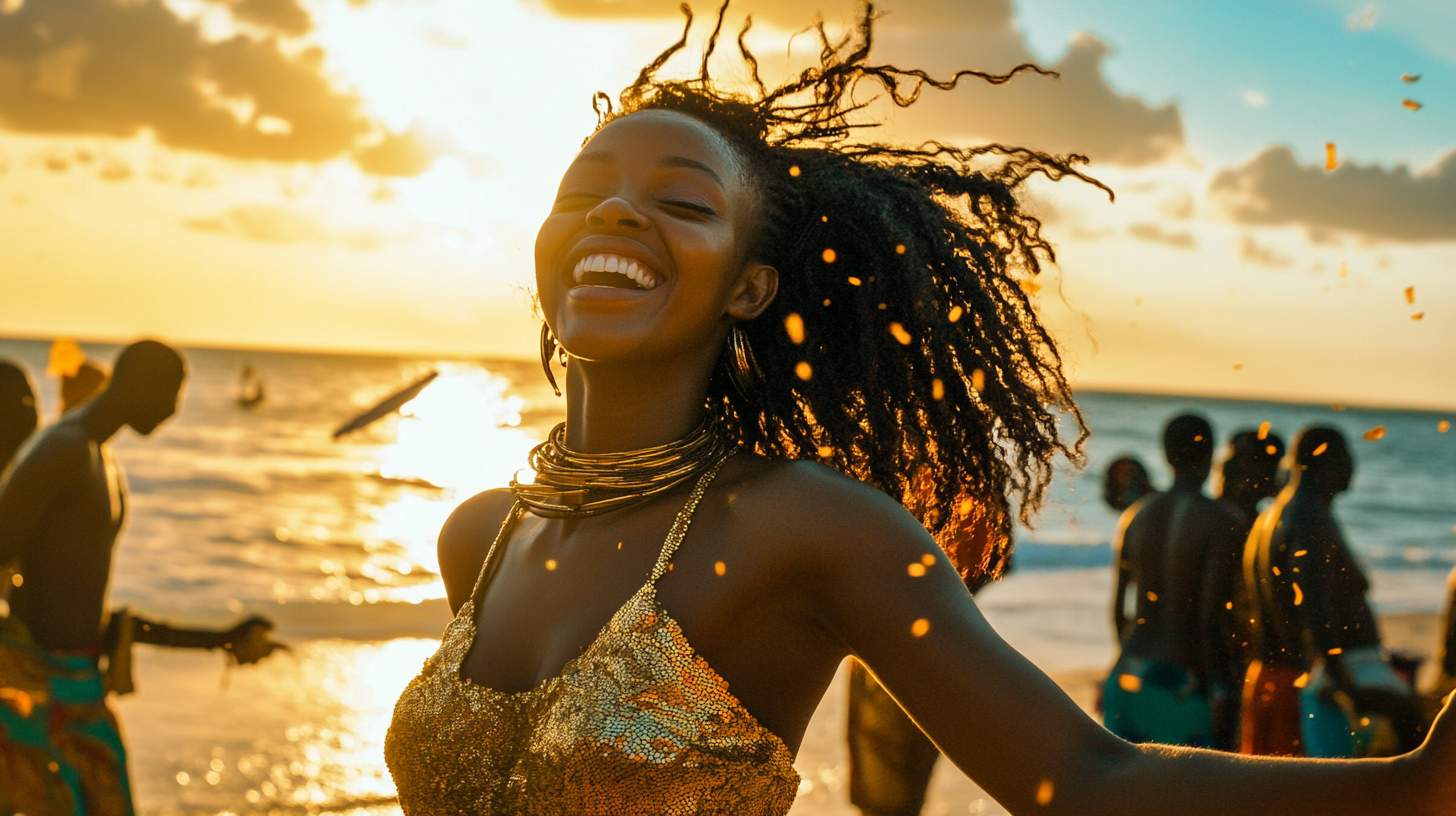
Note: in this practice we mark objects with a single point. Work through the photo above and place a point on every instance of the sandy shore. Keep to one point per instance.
(304, 732)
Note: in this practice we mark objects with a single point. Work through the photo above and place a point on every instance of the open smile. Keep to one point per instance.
(614, 271)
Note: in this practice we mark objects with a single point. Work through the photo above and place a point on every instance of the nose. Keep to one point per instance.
(615, 213)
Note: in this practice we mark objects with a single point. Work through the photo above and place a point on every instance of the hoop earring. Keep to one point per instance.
(549, 349)
(743, 369)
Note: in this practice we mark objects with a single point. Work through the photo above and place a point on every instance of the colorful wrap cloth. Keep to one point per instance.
(1152, 701)
(60, 747)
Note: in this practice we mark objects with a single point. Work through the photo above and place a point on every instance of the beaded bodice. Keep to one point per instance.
(638, 723)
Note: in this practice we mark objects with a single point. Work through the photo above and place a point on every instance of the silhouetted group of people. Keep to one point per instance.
(1244, 620)
(63, 501)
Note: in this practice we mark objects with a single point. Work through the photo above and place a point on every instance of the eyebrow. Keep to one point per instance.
(605, 157)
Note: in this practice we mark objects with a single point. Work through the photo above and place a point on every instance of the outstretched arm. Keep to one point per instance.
(1008, 726)
(247, 642)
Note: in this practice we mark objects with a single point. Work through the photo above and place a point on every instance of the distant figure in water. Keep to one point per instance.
(1178, 548)
(1125, 483)
(62, 504)
(18, 413)
(250, 388)
(1322, 685)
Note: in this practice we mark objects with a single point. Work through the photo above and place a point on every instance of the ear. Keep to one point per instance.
(753, 292)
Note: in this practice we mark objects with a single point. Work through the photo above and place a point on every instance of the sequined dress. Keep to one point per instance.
(638, 723)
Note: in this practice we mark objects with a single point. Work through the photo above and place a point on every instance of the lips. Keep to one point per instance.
(616, 271)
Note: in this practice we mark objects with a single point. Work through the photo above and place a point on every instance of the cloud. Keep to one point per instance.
(280, 225)
(1255, 252)
(1080, 113)
(119, 68)
(405, 154)
(1368, 200)
(1155, 234)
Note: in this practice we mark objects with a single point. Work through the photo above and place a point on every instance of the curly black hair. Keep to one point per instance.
(902, 348)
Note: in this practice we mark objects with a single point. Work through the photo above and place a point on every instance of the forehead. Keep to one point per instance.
(660, 135)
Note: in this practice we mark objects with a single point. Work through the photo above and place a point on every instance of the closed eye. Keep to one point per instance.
(689, 205)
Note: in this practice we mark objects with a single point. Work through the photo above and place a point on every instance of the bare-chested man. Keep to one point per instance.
(62, 504)
(1178, 550)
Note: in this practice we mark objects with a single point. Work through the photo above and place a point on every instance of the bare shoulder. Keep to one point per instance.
(466, 538)
(819, 514)
(56, 451)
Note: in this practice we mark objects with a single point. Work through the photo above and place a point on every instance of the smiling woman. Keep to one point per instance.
(785, 338)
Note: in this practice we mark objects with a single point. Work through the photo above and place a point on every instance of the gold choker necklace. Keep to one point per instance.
(574, 485)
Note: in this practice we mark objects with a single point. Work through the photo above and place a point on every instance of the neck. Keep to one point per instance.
(1189, 482)
(614, 407)
(101, 418)
(1311, 492)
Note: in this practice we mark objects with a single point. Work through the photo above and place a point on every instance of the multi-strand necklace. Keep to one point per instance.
(573, 485)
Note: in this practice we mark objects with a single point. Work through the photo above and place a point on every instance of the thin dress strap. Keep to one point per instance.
(679, 529)
(487, 566)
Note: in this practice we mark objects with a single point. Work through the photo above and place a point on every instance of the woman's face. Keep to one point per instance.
(641, 257)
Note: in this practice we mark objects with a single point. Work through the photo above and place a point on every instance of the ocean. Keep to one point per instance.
(258, 511)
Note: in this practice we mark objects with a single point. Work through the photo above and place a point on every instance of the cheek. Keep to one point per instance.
(550, 241)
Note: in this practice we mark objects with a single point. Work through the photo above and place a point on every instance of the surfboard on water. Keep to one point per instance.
(388, 405)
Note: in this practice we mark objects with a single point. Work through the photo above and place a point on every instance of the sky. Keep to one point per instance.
(369, 174)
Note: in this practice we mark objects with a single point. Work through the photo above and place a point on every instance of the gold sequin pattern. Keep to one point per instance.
(638, 723)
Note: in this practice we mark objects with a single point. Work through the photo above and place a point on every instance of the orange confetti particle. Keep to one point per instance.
(966, 506)
(794, 325)
(619, 545)
(1130, 683)
(17, 579)
(1337, 407)
(19, 700)
(550, 564)
(1044, 793)
(825, 452)
(1298, 595)
(1443, 426)
(1331, 162)
(1029, 286)
(855, 281)
(937, 389)
(900, 334)
(1344, 270)
(1410, 104)
(1302, 680)
(955, 313)
(1335, 651)
(928, 560)
(1410, 294)
(920, 627)
(1410, 77)
(1264, 429)
(826, 302)
(1271, 450)
(1153, 597)
(899, 249)
(1375, 433)
(795, 171)
(720, 568)
(1323, 446)
(916, 570)
(830, 255)
(804, 370)
(1418, 316)
(1301, 553)
(978, 380)
(1238, 366)
(824, 218)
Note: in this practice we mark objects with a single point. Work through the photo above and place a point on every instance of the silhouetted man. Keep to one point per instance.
(1124, 485)
(1178, 549)
(18, 414)
(1247, 475)
(61, 506)
(1333, 691)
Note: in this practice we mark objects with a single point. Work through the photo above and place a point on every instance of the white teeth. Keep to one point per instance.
(613, 263)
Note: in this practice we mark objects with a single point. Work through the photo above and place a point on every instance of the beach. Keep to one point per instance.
(240, 511)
